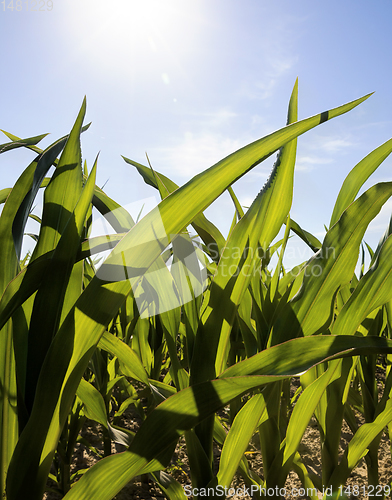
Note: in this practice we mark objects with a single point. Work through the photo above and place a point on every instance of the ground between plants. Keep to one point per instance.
(143, 488)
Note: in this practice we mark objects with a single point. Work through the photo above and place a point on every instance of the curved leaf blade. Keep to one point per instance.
(372, 291)
(357, 177)
(190, 406)
(310, 310)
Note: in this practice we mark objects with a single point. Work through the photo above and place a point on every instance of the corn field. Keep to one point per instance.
(179, 325)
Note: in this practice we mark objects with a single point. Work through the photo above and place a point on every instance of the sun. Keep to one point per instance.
(118, 32)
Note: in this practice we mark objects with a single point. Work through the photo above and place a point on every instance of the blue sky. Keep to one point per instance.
(190, 81)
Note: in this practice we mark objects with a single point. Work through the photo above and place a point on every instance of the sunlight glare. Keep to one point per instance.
(129, 31)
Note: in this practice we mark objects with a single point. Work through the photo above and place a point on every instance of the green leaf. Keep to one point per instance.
(99, 244)
(358, 445)
(236, 442)
(296, 356)
(209, 233)
(357, 177)
(387, 233)
(19, 143)
(23, 286)
(172, 488)
(240, 212)
(4, 193)
(114, 213)
(275, 278)
(261, 223)
(43, 162)
(305, 236)
(12, 223)
(303, 411)
(80, 332)
(190, 406)
(63, 191)
(129, 362)
(372, 291)
(94, 405)
(30, 143)
(310, 310)
(64, 214)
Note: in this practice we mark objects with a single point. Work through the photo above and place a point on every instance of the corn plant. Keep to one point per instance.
(273, 451)
(334, 263)
(189, 343)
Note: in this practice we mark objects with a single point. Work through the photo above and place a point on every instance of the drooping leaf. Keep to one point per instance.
(188, 407)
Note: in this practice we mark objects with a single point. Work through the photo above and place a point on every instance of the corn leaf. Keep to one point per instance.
(261, 223)
(236, 442)
(357, 177)
(80, 332)
(94, 405)
(4, 193)
(372, 291)
(130, 364)
(187, 408)
(61, 197)
(310, 310)
(19, 143)
(358, 445)
(209, 233)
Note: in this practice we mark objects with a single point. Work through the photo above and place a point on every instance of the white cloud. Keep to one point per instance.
(209, 138)
(335, 145)
(276, 57)
(217, 118)
(277, 66)
(376, 124)
(197, 152)
(307, 163)
(330, 143)
(261, 90)
(281, 66)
